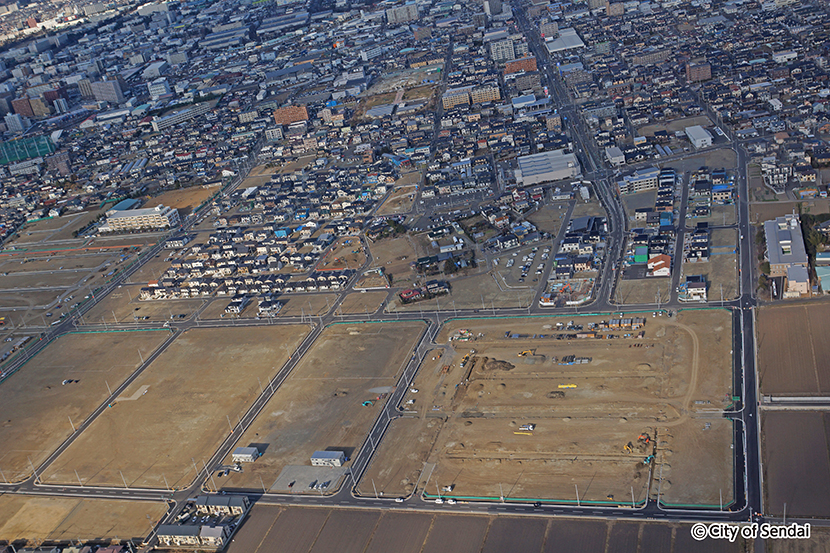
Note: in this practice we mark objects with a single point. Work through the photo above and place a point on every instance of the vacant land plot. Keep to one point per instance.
(796, 467)
(793, 349)
(36, 407)
(595, 422)
(65, 263)
(123, 306)
(721, 271)
(401, 200)
(346, 253)
(590, 208)
(642, 291)
(296, 530)
(180, 408)
(39, 279)
(764, 211)
(68, 519)
(365, 302)
(549, 218)
(185, 200)
(641, 200)
(718, 215)
(320, 406)
(473, 292)
(373, 278)
(395, 255)
(674, 126)
(392, 473)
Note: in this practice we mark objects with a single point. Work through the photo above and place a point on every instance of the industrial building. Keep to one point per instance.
(699, 137)
(328, 459)
(137, 219)
(547, 166)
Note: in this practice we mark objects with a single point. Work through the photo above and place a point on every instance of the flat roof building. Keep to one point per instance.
(546, 167)
(785, 244)
(245, 454)
(699, 137)
(141, 219)
(640, 180)
(328, 458)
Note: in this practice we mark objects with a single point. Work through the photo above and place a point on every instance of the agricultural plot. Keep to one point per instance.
(793, 349)
(299, 530)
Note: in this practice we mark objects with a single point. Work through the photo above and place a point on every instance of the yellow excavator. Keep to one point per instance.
(527, 352)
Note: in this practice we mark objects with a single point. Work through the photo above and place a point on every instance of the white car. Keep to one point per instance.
(451, 502)
(439, 501)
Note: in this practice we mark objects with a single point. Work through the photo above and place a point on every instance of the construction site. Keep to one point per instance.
(603, 409)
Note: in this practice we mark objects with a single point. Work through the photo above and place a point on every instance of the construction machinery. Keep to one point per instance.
(648, 459)
(628, 448)
(530, 427)
(644, 437)
(527, 352)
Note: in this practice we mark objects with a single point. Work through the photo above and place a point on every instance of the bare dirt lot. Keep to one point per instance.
(643, 291)
(549, 218)
(36, 408)
(362, 302)
(299, 530)
(400, 201)
(65, 519)
(473, 292)
(590, 208)
(176, 410)
(663, 385)
(764, 211)
(346, 253)
(395, 255)
(185, 199)
(676, 125)
(793, 349)
(796, 467)
(641, 200)
(721, 271)
(320, 406)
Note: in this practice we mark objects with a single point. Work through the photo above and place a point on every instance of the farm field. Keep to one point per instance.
(793, 349)
(62, 519)
(177, 410)
(662, 388)
(300, 530)
(36, 407)
(796, 467)
(320, 405)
